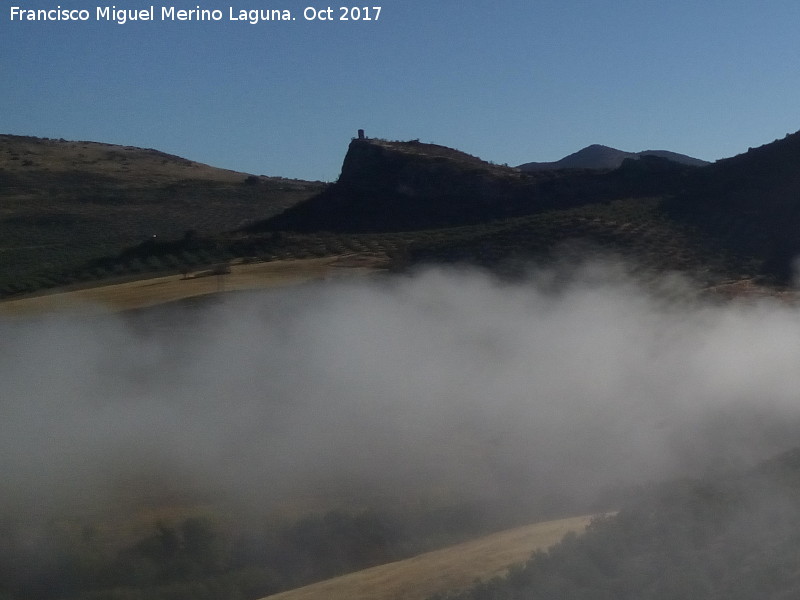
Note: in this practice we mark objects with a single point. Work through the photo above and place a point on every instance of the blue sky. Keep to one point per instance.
(511, 81)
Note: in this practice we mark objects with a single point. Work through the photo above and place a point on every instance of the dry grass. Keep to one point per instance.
(159, 290)
(19, 154)
(64, 204)
(456, 567)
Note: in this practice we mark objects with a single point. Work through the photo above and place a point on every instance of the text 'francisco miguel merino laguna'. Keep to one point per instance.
(170, 13)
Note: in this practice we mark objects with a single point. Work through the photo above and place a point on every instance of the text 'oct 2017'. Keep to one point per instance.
(121, 15)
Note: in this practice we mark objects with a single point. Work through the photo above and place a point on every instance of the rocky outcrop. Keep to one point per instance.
(396, 186)
(386, 186)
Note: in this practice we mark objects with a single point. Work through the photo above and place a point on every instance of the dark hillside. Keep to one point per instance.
(675, 156)
(395, 186)
(402, 186)
(637, 229)
(751, 203)
(79, 211)
(733, 537)
(598, 156)
(63, 203)
(595, 156)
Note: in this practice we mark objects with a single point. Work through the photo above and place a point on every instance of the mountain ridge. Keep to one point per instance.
(598, 156)
(395, 186)
(732, 220)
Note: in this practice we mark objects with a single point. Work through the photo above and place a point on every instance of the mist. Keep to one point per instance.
(445, 384)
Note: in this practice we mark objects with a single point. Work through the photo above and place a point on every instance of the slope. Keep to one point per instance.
(598, 156)
(443, 570)
(731, 221)
(733, 536)
(62, 202)
(403, 186)
(750, 203)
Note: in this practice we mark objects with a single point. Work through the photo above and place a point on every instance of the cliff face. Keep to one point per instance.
(372, 160)
(395, 186)
(386, 186)
(444, 180)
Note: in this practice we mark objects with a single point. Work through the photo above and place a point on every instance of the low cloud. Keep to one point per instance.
(550, 390)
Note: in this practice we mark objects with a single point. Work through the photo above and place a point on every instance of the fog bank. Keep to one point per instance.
(446, 383)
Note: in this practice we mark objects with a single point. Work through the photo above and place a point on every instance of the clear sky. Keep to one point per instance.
(510, 81)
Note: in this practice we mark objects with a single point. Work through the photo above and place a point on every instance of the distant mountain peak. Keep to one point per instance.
(598, 156)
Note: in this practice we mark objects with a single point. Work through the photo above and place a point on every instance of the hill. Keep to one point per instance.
(733, 221)
(750, 202)
(401, 186)
(598, 156)
(64, 203)
(439, 571)
(732, 537)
